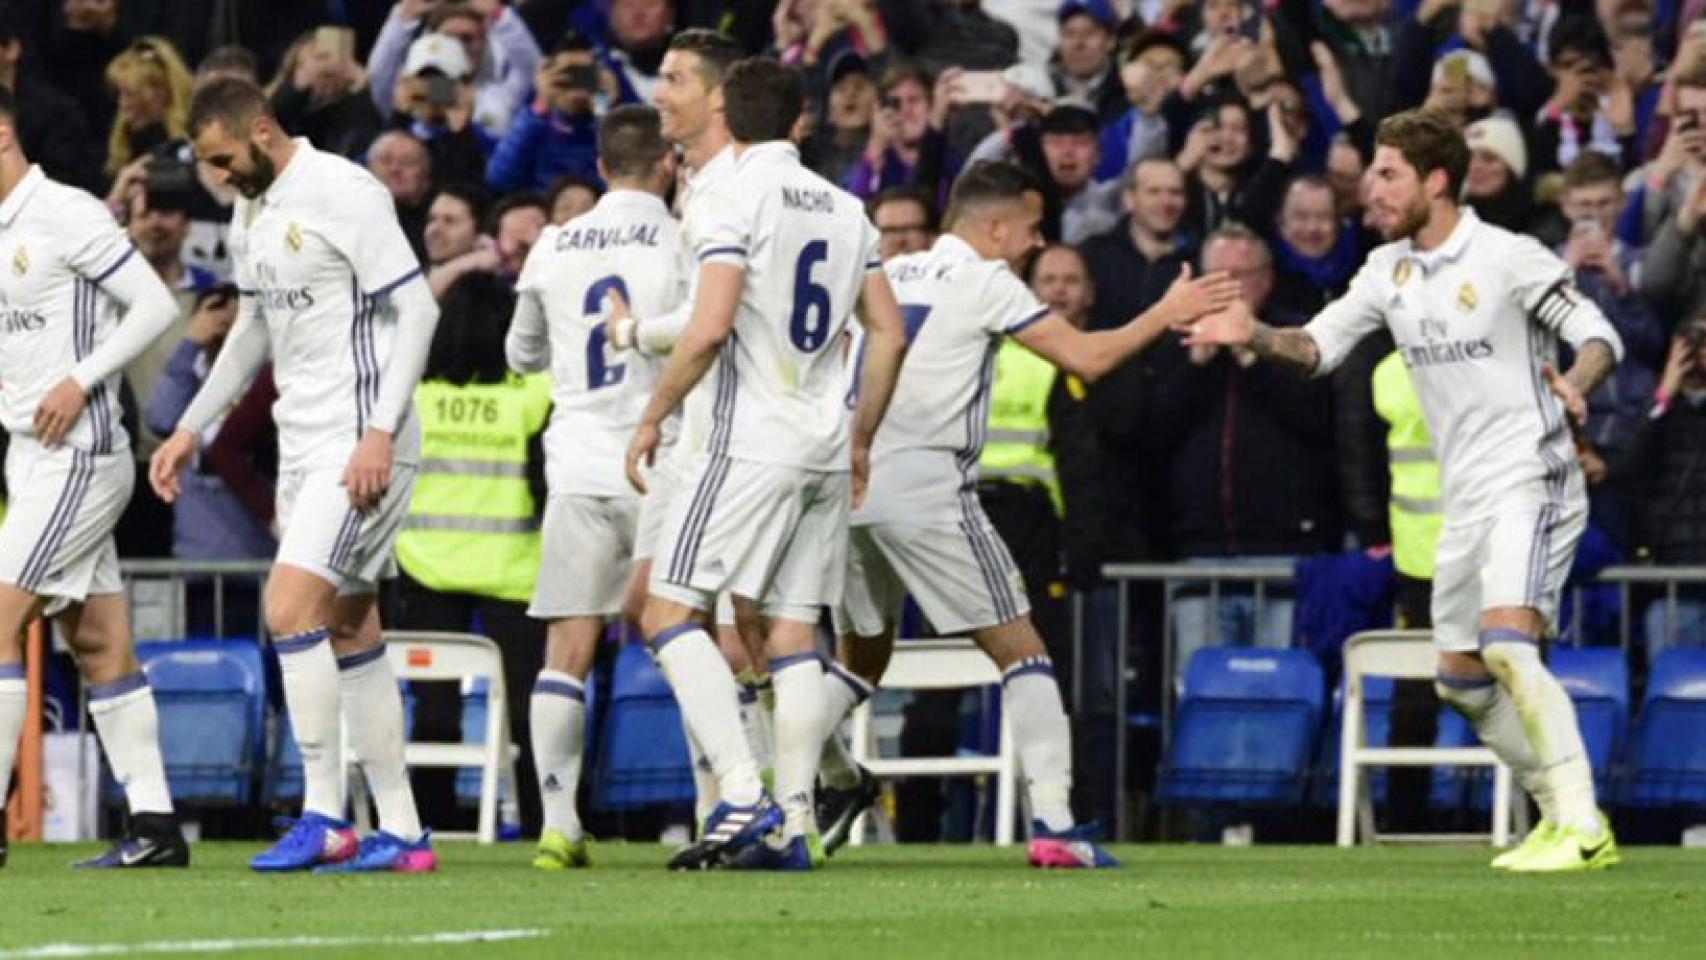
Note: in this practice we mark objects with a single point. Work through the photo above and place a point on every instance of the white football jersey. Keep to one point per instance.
(779, 386)
(695, 433)
(1476, 319)
(319, 252)
(626, 243)
(57, 245)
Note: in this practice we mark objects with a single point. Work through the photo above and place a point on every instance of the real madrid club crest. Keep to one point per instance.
(20, 261)
(293, 238)
(1466, 298)
(1401, 273)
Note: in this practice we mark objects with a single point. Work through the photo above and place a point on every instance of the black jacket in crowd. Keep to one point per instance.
(1664, 471)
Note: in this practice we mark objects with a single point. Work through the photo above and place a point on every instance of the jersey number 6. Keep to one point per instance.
(600, 373)
(809, 325)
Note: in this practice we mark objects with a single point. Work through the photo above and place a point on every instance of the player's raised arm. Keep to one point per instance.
(1089, 356)
(1315, 349)
(885, 347)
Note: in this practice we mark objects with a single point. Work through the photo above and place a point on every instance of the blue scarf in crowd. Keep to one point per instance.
(1331, 272)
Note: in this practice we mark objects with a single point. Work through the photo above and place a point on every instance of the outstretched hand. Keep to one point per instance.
(1189, 298)
(1233, 326)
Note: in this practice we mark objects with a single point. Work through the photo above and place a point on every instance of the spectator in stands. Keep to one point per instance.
(571, 196)
(229, 62)
(938, 34)
(455, 246)
(50, 124)
(403, 165)
(1463, 85)
(320, 93)
(1345, 166)
(501, 54)
(1069, 144)
(1360, 43)
(1662, 472)
(1674, 274)
(1083, 68)
(515, 223)
(1249, 460)
(1482, 26)
(905, 218)
(906, 144)
(209, 520)
(1028, 97)
(834, 149)
(813, 33)
(1605, 272)
(639, 34)
(76, 57)
(158, 226)
(1314, 252)
(1497, 185)
(1151, 68)
(558, 134)
(152, 87)
(1591, 107)
(435, 103)
(458, 571)
(1133, 263)
(1224, 182)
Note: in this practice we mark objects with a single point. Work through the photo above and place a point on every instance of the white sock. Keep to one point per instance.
(1034, 708)
(758, 719)
(798, 680)
(14, 701)
(706, 793)
(842, 692)
(1493, 715)
(128, 724)
(373, 707)
(709, 698)
(1549, 719)
(309, 671)
(558, 720)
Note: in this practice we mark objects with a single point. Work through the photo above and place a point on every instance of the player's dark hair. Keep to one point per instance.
(715, 53)
(907, 193)
(762, 100)
(473, 196)
(1428, 140)
(1591, 168)
(513, 201)
(229, 102)
(986, 183)
(630, 141)
(473, 320)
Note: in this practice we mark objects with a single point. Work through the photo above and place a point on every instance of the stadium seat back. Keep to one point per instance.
(1245, 729)
(642, 756)
(211, 699)
(1668, 760)
(1597, 679)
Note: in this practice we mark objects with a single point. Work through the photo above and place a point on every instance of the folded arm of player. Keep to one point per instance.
(369, 472)
(720, 287)
(528, 346)
(245, 349)
(885, 348)
(1091, 356)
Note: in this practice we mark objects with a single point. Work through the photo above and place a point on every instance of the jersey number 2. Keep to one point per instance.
(599, 372)
(809, 325)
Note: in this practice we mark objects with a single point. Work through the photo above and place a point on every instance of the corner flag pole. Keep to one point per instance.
(24, 820)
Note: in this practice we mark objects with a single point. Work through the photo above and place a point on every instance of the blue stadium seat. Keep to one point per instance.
(642, 757)
(1377, 723)
(212, 701)
(1667, 764)
(1457, 790)
(284, 784)
(1597, 679)
(1245, 729)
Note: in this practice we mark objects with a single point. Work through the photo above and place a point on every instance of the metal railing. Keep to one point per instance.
(215, 572)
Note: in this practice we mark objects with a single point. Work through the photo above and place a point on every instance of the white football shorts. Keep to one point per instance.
(1519, 556)
(588, 556)
(320, 532)
(57, 538)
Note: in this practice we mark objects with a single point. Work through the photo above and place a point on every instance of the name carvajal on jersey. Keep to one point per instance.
(605, 238)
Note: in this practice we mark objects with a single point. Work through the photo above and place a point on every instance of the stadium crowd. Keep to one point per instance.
(1225, 134)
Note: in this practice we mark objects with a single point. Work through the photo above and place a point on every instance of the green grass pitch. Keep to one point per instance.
(880, 903)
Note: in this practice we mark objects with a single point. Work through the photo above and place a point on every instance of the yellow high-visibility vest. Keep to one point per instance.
(1415, 514)
(1017, 446)
(471, 526)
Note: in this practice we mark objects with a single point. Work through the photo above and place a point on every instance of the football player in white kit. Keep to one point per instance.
(625, 244)
(1477, 313)
(785, 259)
(331, 290)
(922, 531)
(69, 274)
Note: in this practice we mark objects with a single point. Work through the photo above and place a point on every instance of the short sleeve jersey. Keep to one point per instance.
(779, 387)
(957, 307)
(627, 243)
(58, 244)
(1475, 320)
(319, 252)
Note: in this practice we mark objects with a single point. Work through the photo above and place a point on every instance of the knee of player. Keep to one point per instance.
(285, 618)
(1506, 653)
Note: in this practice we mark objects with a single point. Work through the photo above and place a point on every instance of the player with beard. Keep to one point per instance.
(331, 290)
(1477, 312)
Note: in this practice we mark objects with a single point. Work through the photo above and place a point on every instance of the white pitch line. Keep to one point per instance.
(55, 951)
